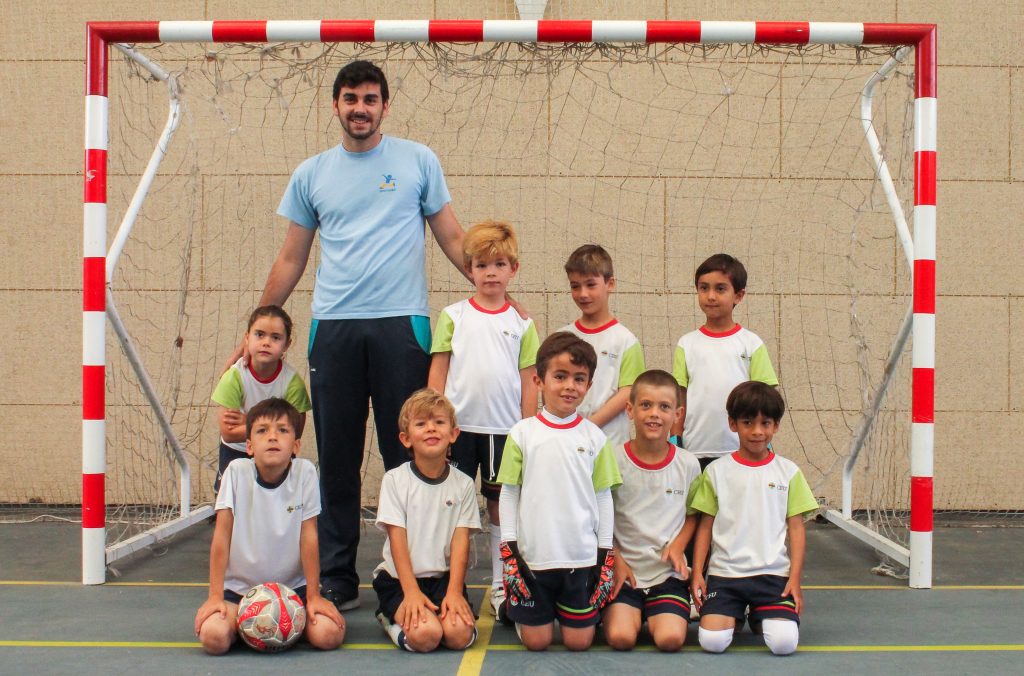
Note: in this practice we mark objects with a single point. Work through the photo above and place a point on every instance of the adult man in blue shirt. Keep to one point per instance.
(370, 337)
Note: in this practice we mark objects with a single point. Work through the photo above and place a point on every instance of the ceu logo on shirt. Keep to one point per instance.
(389, 184)
(294, 508)
(674, 491)
(513, 336)
(449, 502)
(782, 488)
(610, 355)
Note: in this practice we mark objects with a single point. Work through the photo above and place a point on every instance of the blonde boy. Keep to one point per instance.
(483, 361)
(428, 512)
(266, 531)
(620, 357)
(712, 360)
(652, 523)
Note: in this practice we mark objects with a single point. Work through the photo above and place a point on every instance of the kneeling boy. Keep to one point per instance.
(266, 531)
(751, 500)
(652, 526)
(557, 472)
(427, 511)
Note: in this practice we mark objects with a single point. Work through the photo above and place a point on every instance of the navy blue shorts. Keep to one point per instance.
(561, 594)
(236, 598)
(390, 594)
(730, 596)
(474, 449)
(671, 597)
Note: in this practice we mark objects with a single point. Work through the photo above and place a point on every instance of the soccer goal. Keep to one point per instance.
(802, 148)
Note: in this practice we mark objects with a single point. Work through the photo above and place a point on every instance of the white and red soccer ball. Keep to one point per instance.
(271, 617)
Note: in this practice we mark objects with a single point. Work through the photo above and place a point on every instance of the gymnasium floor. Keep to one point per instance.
(854, 621)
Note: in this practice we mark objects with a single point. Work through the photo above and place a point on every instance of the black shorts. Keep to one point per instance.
(671, 597)
(236, 598)
(474, 449)
(730, 596)
(561, 594)
(390, 594)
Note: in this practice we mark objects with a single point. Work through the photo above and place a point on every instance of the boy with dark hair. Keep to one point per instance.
(620, 357)
(556, 506)
(427, 511)
(712, 360)
(652, 523)
(266, 531)
(483, 357)
(752, 501)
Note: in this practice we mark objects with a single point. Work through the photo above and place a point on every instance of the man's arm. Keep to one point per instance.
(284, 274)
(448, 234)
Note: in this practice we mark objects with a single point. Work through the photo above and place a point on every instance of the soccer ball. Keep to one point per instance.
(271, 617)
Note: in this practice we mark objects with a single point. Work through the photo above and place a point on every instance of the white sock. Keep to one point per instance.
(394, 632)
(497, 579)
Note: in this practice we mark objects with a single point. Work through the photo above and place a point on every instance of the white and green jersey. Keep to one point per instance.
(267, 523)
(709, 365)
(489, 347)
(240, 389)
(620, 359)
(750, 503)
(560, 465)
(650, 508)
(429, 510)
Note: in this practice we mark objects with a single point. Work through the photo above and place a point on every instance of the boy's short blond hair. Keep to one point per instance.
(489, 240)
(590, 259)
(421, 404)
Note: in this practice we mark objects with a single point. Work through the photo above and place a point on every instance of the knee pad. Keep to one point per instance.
(714, 641)
(781, 636)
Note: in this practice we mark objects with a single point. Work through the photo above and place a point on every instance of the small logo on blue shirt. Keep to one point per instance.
(389, 184)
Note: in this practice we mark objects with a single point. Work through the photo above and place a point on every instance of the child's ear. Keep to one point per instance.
(405, 440)
(296, 448)
(455, 434)
(629, 410)
(248, 447)
(739, 297)
(611, 283)
(733, 426)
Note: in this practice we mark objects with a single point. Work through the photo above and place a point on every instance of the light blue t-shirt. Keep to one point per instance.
(369, 208)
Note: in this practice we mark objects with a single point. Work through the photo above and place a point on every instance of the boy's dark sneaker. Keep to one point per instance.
(341, 600)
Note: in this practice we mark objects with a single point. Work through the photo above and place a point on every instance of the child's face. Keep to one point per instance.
(564, 385)
(429, 436)
(716, 296)
(755, 433)
(653, 411)
(267, 342)
(590, 292)
(272, 444)
(491, 277)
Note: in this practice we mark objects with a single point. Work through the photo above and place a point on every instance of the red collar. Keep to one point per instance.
(648, 466)
(723, 334)
(479, 307)
(599, 329)
(559, 426)
(280, 365)
(748, 463)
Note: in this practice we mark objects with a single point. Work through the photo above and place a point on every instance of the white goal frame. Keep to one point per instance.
(99, 263)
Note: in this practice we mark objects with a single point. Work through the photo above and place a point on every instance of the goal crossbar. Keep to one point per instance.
(98, 263)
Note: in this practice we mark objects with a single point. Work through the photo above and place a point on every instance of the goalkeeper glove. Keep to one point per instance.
(601, 578)
(515, 573)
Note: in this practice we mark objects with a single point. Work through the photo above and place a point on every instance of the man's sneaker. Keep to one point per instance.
(497, 598)
(340, 601)
(394, 631)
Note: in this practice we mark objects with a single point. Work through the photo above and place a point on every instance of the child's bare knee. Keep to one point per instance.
(620, 637)
(459, 637)
(669, 642)
(216, 637)
(424, 638)
(325, 634)
(577, 640)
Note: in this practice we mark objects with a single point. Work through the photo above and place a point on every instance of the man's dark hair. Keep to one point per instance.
(728, 266)
(273, 409)
(580, 352)
(754, 398)
(360, 72)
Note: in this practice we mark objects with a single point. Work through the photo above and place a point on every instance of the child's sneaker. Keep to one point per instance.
(394, 631)
(497, 598)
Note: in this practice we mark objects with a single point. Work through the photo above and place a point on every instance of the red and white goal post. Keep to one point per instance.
(99, 263)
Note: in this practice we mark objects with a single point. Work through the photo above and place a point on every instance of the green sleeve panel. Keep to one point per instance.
(511, 471)
(801, 499)
(606, 470)
(632, 365)
(296, 394)
(679, 368)
(690, 509)
(761, 367)
(703, 498)
(443, 334)
(228, 392)
(528, 347)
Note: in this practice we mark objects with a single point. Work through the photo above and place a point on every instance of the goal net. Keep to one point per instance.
(663, 153)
